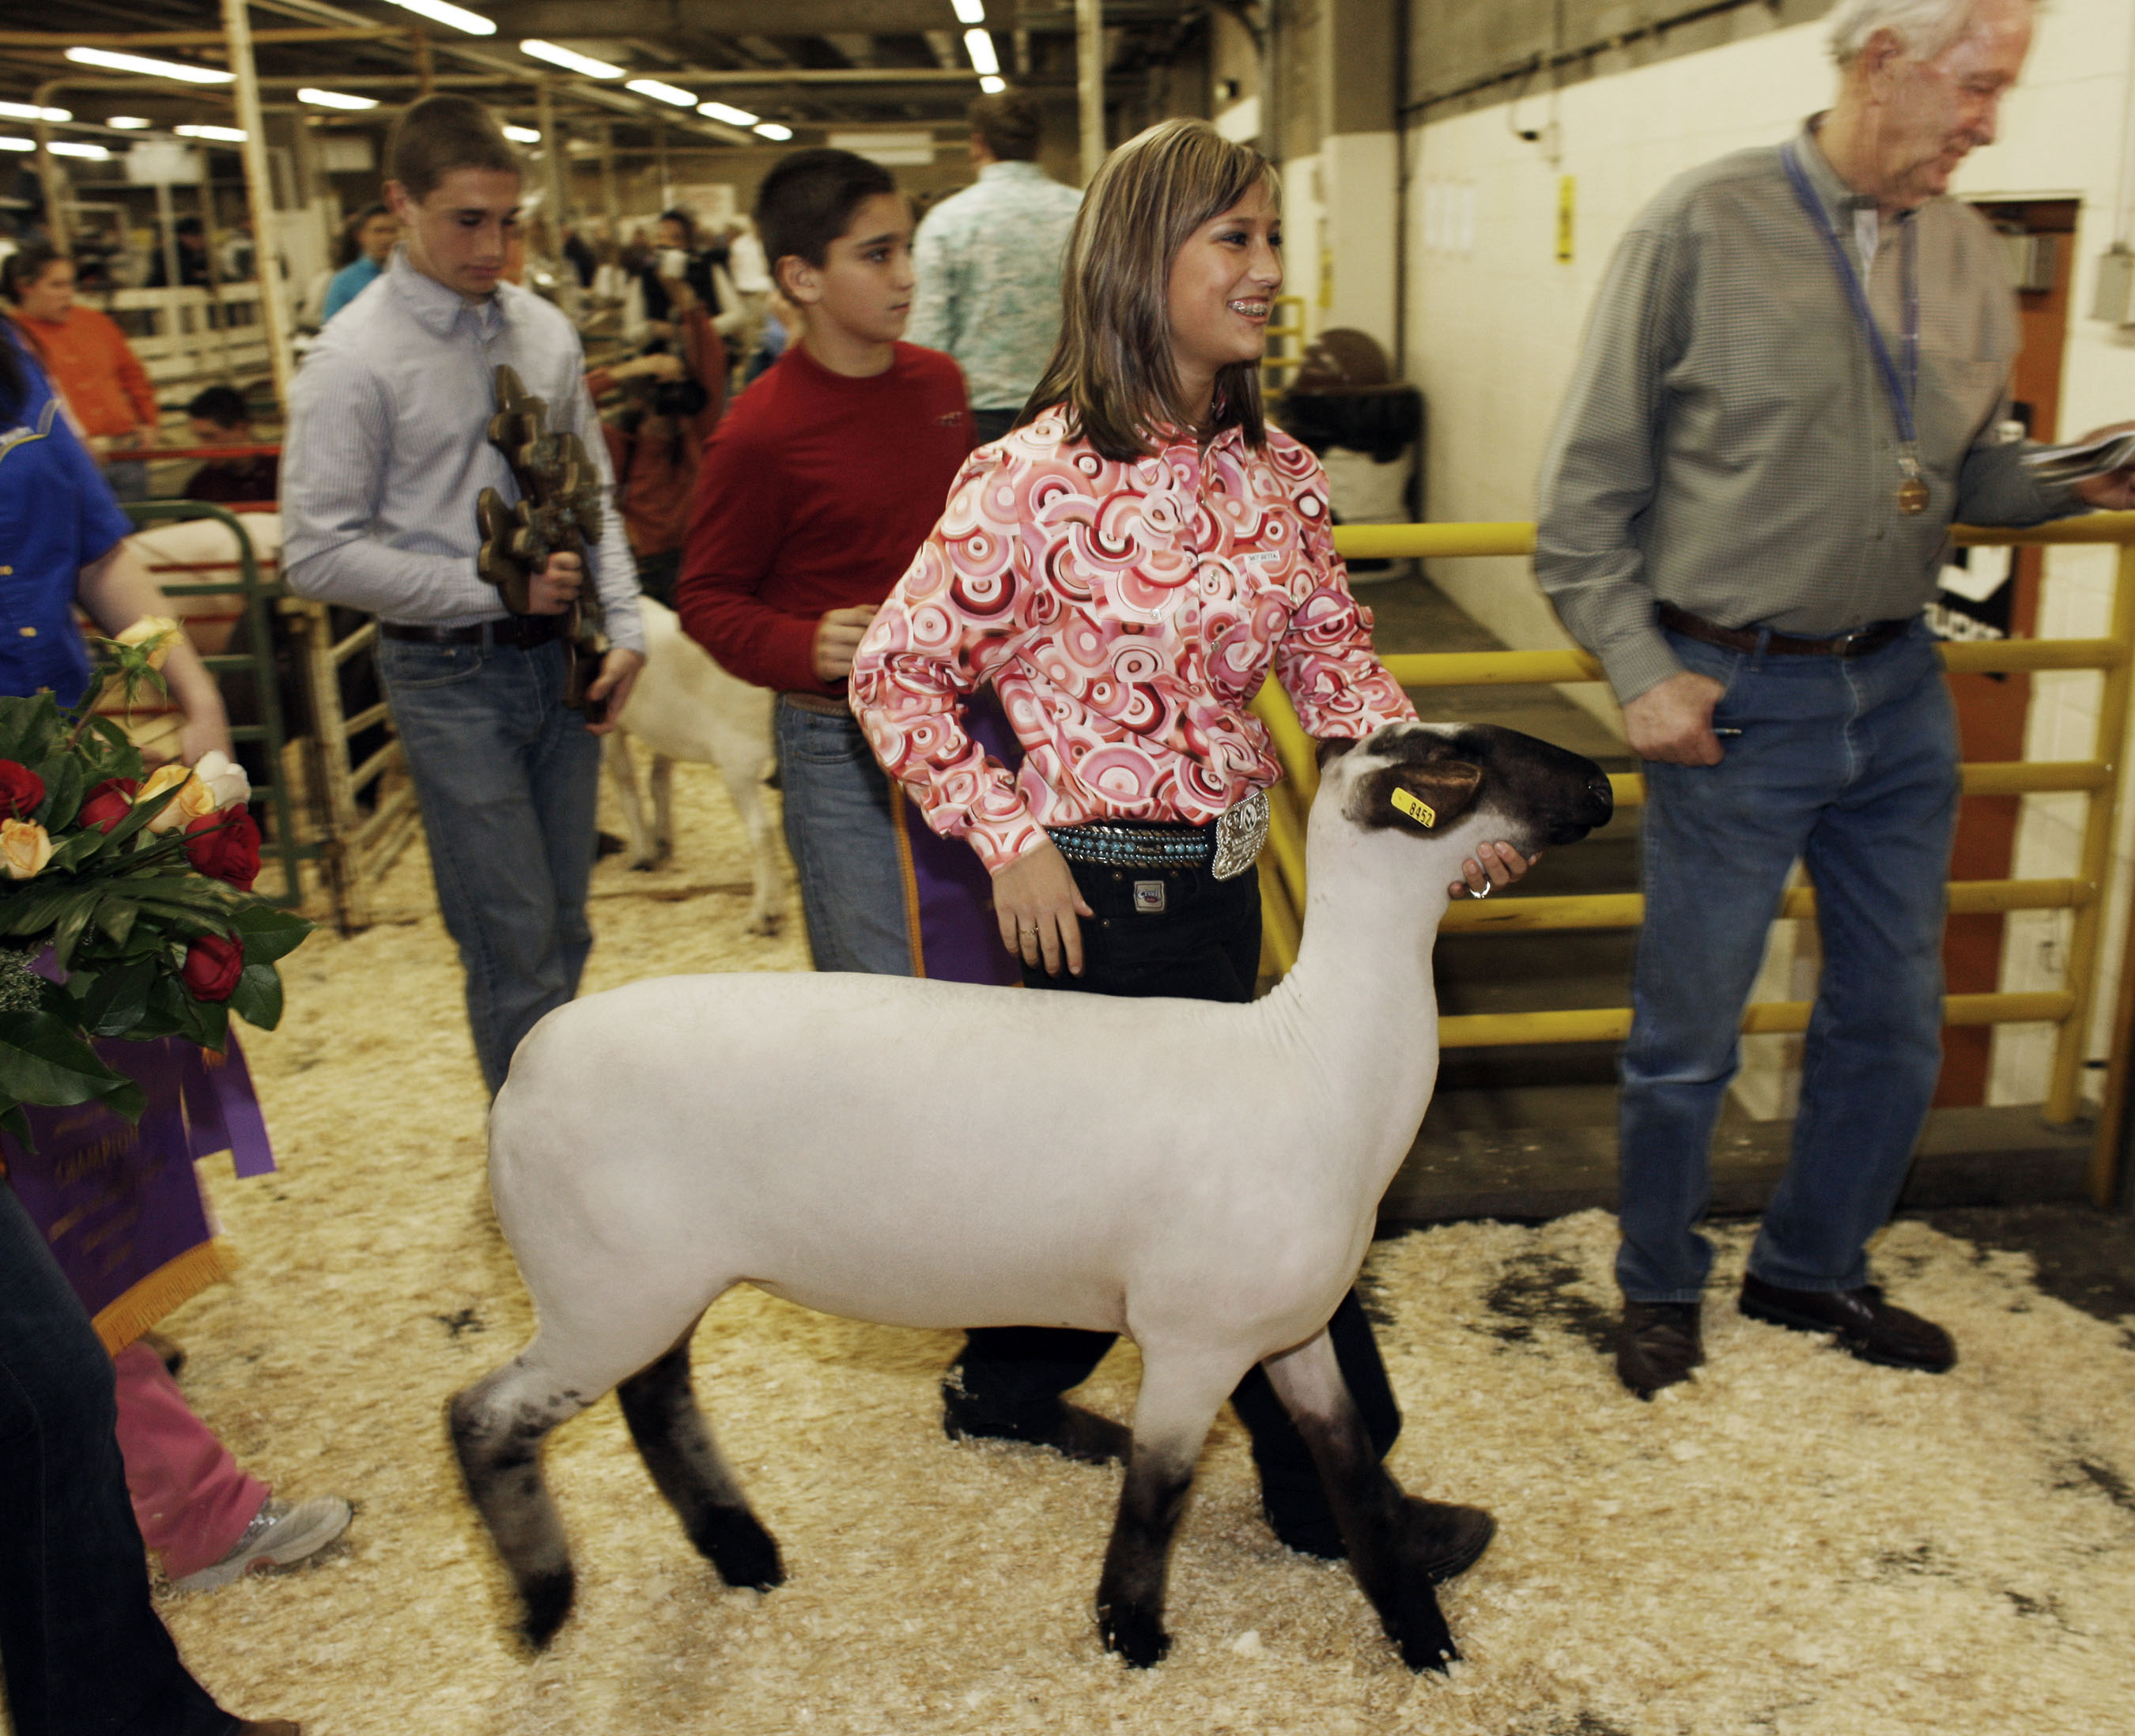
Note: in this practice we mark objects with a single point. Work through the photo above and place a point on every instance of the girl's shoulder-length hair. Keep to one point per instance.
(1111, 369)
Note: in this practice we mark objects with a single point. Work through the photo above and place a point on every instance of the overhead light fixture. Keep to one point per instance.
(17, 144)
(228, 135)
(570, 61)
(441, 11)
(335, 99)
(128, 122)
(727, 112)
(70, 148)
(182, 70)
(771, 130)
(991, 85)
(30, 111)
(673, 94)
(970, 11)
(522, 135)
(980, 46)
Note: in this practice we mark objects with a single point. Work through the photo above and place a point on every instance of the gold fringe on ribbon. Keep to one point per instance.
(175, 1282)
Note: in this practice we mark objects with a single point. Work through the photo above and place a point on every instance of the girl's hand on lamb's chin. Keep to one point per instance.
(1036, 901)
(1492, 865)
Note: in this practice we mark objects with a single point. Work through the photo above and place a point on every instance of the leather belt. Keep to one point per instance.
(1858, 643)
(523, 631)
(822, 704)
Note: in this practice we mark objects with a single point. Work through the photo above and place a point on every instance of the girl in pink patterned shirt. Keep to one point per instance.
(1125, 567)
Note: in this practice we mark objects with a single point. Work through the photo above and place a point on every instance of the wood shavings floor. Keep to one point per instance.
(1795, 1544)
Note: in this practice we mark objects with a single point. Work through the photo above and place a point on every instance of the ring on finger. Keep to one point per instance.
(1488, 886)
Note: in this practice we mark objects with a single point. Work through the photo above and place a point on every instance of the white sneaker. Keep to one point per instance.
(279, 1535)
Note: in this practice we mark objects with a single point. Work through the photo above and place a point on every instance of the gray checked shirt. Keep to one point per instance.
(1727, 444)
(389, 445)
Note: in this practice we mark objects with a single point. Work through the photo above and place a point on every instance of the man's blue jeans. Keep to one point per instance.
(1851, 765)
(844, 843)
(80, 1643)
(508, 780)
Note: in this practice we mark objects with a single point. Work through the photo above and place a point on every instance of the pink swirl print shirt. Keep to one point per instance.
(1126, 613)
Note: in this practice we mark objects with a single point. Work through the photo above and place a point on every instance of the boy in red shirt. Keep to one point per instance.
(814, 495)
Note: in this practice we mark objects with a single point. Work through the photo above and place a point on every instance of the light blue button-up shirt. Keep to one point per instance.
(988, 261)
(388, 447)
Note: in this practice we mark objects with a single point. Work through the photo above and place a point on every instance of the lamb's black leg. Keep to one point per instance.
(1399, 1548)
(498, 1426)
(660, 1407)
(1130, 1593)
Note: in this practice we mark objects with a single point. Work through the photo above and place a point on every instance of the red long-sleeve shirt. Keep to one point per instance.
(87, 357)
(814, 494)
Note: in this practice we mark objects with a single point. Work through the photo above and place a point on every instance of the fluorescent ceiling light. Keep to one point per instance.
(30, 111)
(991, 85)
(180, 70)
(673, 94)
(980, 46)
(128, 122)
(522, 135)
(441, 11)
(335, 99)
(70, 147)
(17, 144)
(229, 135)
(771, 130)
(727, 112)
(970, 11)
(570, 61)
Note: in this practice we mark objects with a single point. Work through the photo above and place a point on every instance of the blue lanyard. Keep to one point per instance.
(1901, 393)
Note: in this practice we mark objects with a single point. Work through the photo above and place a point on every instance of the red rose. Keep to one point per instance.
(213, 964)
(21, 790)
(226, 846)
(108, 803)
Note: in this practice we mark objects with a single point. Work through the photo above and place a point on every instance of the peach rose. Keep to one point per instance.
(158, 633)
(24, 849)
(194, 799)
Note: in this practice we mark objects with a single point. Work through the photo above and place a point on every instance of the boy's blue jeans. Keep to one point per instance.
(80, 1642)
(844, 843)
(1850, 764)
(508, 780)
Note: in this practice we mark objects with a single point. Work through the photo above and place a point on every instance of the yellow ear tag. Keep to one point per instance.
(1417, 810)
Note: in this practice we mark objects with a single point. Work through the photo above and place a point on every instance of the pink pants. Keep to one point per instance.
(189, 1499)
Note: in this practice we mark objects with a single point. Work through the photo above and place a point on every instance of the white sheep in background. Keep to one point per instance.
(1201, 1176)
(685, 706)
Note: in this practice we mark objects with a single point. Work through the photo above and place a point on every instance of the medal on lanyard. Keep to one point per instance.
(1913, 490)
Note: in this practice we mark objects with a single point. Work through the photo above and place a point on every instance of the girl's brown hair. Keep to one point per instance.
(1113, 367)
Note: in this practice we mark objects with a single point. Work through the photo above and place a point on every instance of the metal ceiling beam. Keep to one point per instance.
(63, 40)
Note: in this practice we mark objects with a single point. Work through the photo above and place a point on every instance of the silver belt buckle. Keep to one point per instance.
(1240, 833)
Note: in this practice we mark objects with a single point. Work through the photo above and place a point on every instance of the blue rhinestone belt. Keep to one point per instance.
(1116, 844)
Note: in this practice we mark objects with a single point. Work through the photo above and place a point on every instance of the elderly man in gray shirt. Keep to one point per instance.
(387, 450)
(1792, 384)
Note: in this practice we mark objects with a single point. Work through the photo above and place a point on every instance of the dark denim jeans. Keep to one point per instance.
(1851, 765)
(84, 1652)
(1206, 946)
(843, 843)
(507, 778)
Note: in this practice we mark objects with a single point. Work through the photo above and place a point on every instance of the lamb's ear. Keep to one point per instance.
(1424, 798)
(1334, 747)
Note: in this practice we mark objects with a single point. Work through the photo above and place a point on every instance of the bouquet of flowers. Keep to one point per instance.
(126, 904)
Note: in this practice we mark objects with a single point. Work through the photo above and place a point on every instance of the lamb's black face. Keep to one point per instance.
(1430, 775)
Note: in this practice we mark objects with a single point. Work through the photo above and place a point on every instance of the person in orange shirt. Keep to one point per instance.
(86, 356)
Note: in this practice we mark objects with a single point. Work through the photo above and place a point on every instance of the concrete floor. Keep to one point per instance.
(1530, 1132)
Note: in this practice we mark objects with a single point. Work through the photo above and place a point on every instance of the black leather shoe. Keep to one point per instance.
(1067, 1430)
(1657, 1344)
(1862, 1324)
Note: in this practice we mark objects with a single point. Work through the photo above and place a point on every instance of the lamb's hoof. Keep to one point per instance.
(547, 1600)
(1136, 1634)
(1439, 1539)
(745, 1553)
(766, 924)
(1418, 1627)
(645, 866)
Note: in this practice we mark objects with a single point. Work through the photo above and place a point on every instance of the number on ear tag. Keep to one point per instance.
(1417, 810)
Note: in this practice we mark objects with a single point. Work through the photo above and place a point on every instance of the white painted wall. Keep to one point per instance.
(1494, 322)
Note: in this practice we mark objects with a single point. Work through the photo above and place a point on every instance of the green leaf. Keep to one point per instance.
(43, 1060)
(210, 1024)
(270, 932)
(12, 1120)
(29, 728)
(63, 791)
(67, 931)
(116, 916)
(119, 998)
(257, 999)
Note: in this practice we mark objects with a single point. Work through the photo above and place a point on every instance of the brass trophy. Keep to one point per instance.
(558, 512)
